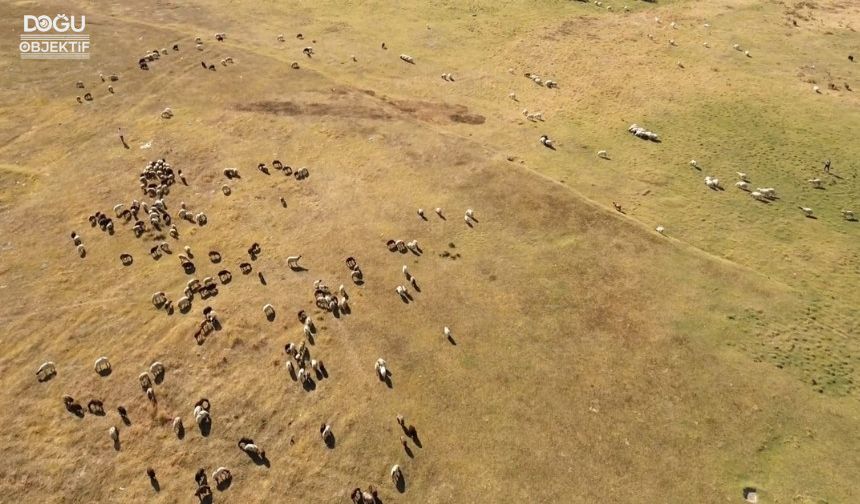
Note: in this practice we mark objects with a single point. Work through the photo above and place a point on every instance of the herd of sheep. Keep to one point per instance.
(149, 217)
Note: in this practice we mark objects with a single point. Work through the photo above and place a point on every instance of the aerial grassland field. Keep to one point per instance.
(592, 358)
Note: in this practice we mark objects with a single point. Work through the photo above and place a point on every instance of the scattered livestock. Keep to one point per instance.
(407, 58)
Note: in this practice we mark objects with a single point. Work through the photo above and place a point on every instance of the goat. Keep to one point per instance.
(743, 176)
(407, 58)
(114, 434)
(177, 426)
(848, 215)
(602, 154)
(816, 183)
(806, 211)
(742, 185)
(293, 262)
(757, 195)
(269, 310)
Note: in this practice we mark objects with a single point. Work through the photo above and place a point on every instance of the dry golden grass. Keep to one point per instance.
(594, 359)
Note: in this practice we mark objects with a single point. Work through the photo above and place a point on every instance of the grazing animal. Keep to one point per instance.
(816, 182)
(221, 474)
(293, 262)
(114, 434)
(602, 154)
(806, 211)
(382, 368)
(157, 369)
(49, 369)
(177, 425)
(660, 229)
(102, 365)
(396, 474)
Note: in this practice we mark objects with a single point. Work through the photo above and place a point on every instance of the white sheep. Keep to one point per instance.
(513, 96)
(848, 215)
(269, 310)
(602, 154)
(303, 375)
(102, 364)
(439, 212)
(743, 176)
(757, 195)
(742, 185)
(251, 449)
(406, 272)
(177, 425)
(293, 262)
(816, 89)
(806, 211)
(49, 369)
(816, 182)
(381, 368)
(221, 474)
(546, 141)
(711, 182)
(660, 229)
(82, 251)
(291, 369)
(407, 58)
(421, 213)
(694, 163)
(401, 291)
(447, 332)
(769, 192)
